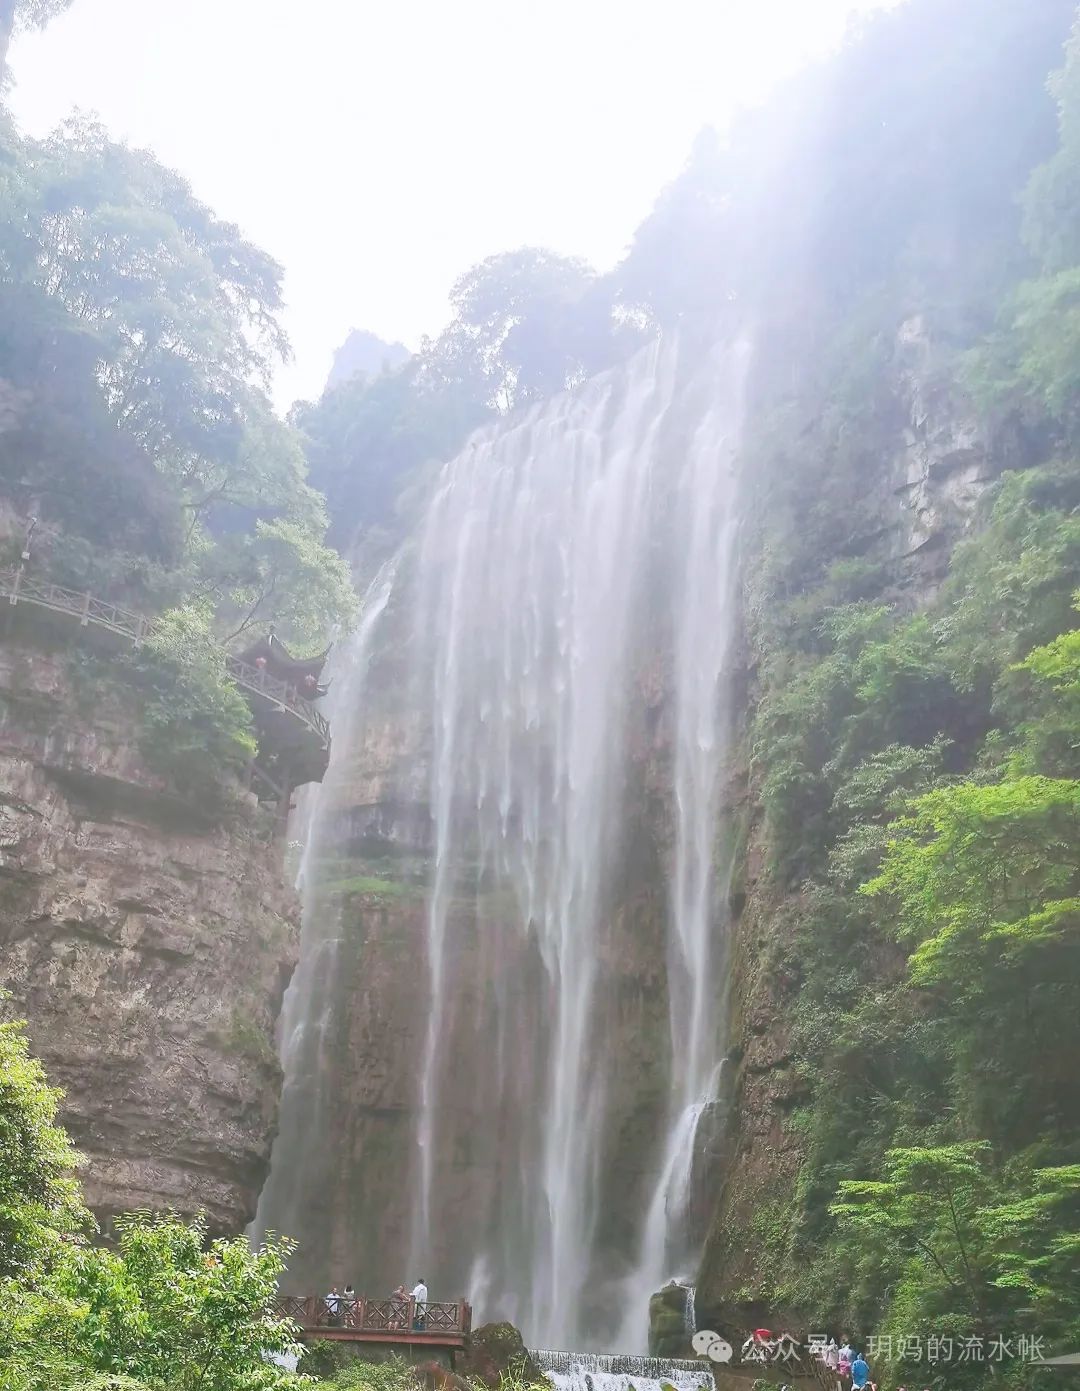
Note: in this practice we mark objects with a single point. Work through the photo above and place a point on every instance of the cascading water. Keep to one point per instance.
(567, 615)
(538, 546)
(528, 578)
(690, 1316)
(704, 625)
(301, 1151)
(576, 1371)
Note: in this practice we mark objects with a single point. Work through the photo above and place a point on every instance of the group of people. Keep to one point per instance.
(847, 1362)
(339, 1306)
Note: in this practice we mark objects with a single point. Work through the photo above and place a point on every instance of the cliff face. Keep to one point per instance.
(148, 951)
(932, 463)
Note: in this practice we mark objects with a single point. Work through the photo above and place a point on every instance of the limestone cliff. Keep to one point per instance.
(930, 462)
(147, 948)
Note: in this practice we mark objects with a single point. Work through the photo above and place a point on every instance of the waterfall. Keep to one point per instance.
(529, 575)
(704, 626)
(576, 1371)
(301, 1153)
(553, 1008)
(538, 550)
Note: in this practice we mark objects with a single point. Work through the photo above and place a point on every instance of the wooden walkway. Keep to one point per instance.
(290, 719)
(394, 1322)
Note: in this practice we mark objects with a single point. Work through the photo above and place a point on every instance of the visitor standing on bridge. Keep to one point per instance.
(860, 1372)
(399, 1307)
(419, 1295)
(333, 1304)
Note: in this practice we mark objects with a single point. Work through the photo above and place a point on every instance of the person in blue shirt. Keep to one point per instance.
(860, 1372)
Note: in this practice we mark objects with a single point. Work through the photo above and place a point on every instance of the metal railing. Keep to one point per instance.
(18, 587)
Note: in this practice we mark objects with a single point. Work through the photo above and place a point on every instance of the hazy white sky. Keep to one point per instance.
(379, 149)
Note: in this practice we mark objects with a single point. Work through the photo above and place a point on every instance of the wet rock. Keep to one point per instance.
(668, 1334)
(496, 1350)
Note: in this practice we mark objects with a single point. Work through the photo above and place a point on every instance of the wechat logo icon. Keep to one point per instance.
(712, 1346)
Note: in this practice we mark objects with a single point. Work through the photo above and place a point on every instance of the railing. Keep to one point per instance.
(392, 1320)
(20, 588)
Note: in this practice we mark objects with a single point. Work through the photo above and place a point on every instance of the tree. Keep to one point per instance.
(25, 14)
(979, 1253)
(367, 438)
(983, 876)
(40, 1202)
(170, 1310)
(534, 323)
(281, 574)
(163, 1311)
(184, 311)
(142, 334)
(195, 723)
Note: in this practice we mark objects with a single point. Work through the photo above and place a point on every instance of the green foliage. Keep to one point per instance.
(281, 573)
(367, 438)
(137, 338)
(164, 1311)
(357, 1375)
(974, 1252)
(195, 723)
(534, 323)
(40, 1203)
(983, 876)
(526, 324)
(923, 746)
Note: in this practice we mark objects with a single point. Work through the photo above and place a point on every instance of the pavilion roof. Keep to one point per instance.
(281, 662)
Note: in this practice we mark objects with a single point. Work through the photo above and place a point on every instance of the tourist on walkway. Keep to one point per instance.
(419, 1295)
(333, 1304)
(348, 1301)
(399, 1304)
(860, 1372)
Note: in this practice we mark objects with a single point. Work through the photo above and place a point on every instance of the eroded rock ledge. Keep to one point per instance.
(147, 948)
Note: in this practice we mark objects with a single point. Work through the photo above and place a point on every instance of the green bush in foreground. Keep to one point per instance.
(163, 1311)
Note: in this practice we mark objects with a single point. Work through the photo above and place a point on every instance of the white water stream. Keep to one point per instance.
(311, 997)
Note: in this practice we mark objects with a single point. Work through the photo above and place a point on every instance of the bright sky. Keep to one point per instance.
(378, 148)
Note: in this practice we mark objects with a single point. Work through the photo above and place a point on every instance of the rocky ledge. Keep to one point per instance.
(147, 950)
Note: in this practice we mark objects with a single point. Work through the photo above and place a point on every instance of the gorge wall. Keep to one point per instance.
(347, 1175)
(928, 458)
(147, 948)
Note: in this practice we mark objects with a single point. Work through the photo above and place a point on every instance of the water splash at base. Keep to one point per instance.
(582, 1371)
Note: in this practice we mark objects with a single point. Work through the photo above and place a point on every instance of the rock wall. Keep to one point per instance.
(934, 462)
(147, 949)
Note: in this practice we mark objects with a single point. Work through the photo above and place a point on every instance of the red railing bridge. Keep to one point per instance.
(362, 1320)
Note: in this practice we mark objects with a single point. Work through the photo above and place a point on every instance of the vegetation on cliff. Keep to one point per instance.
(917, 726)
(137, 335)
